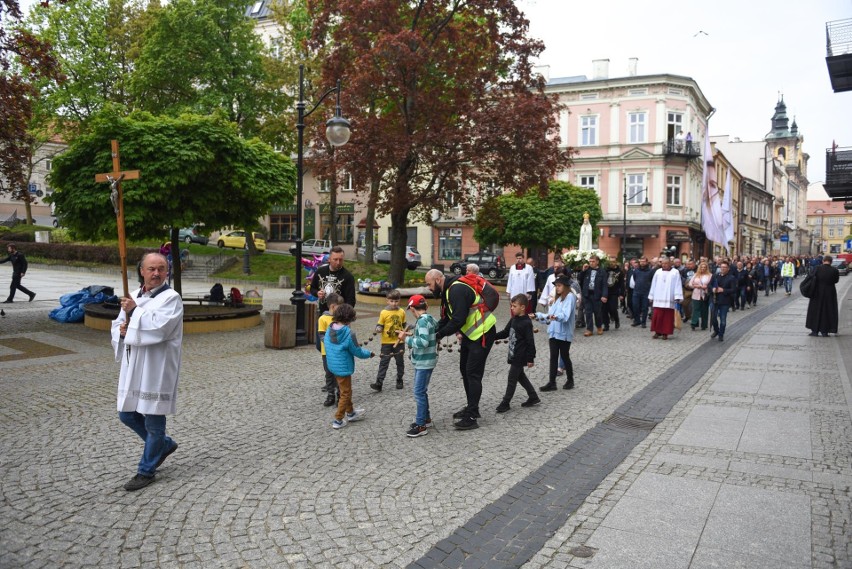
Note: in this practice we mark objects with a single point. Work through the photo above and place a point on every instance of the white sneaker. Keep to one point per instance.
(338, 424)
(355, 415)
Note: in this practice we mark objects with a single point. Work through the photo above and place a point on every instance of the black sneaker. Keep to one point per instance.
(634, 325)
(427, 424)
(463, 412)
(329, 401)
(399, 384)
(503, 407)
(166, 455)
(466, 424)
(417, 431)
(376, 386)
(138, 482)
(32, 296)
(714, 334)
(549, 387)
(568, 384)
(531, 402)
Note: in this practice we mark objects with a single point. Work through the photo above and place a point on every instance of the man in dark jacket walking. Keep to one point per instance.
(19, 270)
(723, 288)
(642, 276)
(333, 278)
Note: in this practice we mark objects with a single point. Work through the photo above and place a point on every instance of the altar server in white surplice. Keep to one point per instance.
(147, 338)
(521, 278)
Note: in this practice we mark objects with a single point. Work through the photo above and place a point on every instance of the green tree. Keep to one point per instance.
(551, 221)
(458, 114)
(95, 42)
(194, 169)
(202, 55)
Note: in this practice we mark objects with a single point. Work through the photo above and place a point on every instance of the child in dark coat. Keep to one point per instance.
(519, 332)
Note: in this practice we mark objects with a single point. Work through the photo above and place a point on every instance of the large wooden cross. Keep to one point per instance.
(114, 178)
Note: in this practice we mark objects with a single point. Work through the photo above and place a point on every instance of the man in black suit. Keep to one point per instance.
(593, 285)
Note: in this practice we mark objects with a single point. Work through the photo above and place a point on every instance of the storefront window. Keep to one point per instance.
(344, 227)
(450, 244)
(282, 227)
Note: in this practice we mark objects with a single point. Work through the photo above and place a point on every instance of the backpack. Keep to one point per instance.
(236, 297)
(807, 286)
(489, 296)
(217, 293)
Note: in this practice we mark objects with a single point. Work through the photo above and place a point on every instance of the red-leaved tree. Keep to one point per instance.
(24, 59)
(444, 106)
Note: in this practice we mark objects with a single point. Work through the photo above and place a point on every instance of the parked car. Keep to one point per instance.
(841, 266)
(192, 235)
(237, 240)
(313, 247)
(382, 254)
(489, 264)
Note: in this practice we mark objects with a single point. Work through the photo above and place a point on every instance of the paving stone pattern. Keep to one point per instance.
(261, 480)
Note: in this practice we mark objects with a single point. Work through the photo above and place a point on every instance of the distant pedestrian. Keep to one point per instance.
(521, 353)
(147, 337)
(595, 290)
(341, 349)
(423, 345)
(19, 271)
(700, 283)
(391, 321)
(521, 279)
(822, 308)
(788, 271)
(641, 284)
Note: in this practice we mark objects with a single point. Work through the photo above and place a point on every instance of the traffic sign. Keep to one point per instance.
(785, 238)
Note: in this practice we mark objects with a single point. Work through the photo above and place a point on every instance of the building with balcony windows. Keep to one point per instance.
(830, 226)
(638, 137)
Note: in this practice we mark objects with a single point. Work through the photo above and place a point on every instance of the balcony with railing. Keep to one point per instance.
(838, 57)
(838, 173)
(681, 147)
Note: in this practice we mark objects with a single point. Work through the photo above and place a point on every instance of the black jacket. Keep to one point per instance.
(19, 263)
(340, 282)
(727, 282)
(642, 280)
(519, 331)
(597, 291)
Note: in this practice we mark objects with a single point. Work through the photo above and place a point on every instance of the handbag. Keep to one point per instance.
(807, 286)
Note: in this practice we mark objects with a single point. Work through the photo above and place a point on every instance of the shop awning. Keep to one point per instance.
(634, 231)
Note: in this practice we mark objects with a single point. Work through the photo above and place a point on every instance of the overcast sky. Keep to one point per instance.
(749, 51)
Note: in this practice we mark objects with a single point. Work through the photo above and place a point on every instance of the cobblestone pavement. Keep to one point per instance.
(261, 480)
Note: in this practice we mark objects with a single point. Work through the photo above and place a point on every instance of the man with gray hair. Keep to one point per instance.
(472, 269)
(147, 337)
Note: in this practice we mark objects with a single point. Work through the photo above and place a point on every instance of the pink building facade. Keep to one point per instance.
(640, 139)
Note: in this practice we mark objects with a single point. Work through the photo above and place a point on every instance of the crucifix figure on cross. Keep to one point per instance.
(114, 178)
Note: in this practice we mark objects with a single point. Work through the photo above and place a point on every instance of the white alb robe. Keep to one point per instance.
(520, 281)
(666, 289)
(150, 353)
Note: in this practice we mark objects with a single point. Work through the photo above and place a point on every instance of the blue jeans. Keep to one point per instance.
(640, 308)
(152, 430)
(720, 320)
(421, 397)
(788, 284)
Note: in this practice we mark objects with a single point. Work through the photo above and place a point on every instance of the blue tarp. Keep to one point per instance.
(72, 309)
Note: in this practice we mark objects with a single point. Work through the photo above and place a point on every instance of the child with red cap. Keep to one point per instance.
(424, 356)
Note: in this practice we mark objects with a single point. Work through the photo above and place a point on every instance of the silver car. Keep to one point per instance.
(382, 254)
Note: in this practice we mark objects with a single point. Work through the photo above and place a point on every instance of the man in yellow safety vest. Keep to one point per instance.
(461, 314)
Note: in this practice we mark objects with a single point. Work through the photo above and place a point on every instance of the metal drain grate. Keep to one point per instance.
(625, 422)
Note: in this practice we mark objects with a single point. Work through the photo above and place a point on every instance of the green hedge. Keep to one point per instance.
(101, 254)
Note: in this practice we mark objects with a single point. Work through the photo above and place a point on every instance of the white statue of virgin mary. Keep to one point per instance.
(585, 234)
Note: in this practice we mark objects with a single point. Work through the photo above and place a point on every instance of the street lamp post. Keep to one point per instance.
(337, 131)
(646, 207)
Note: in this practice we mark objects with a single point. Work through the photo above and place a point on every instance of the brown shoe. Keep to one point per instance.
(600, 331)
(655, 336)
(587, 333)
(665, 337)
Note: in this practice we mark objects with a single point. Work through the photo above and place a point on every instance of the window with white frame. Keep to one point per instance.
(588, 130)
(636, 123)
(347, 184)
(831, 232)
(673, 187)
(754, 209)
(635, 189)
(48, 164)
(587, 182)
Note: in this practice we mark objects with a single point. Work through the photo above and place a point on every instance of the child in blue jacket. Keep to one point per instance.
(341, 349)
